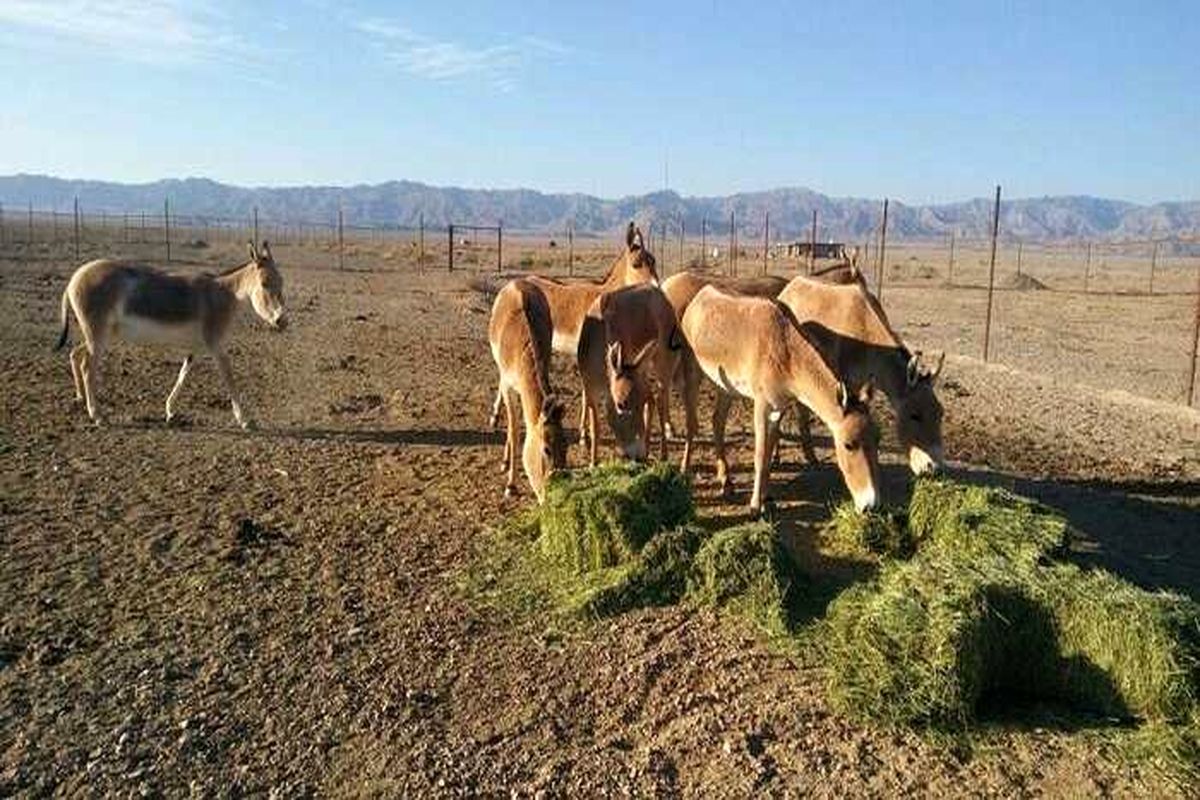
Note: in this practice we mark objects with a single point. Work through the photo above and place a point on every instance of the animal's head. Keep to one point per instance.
(919, 416)
(545, 446)
(266, 287)
(629, 429)
(638, 263)
(856, 445)
(623, 376)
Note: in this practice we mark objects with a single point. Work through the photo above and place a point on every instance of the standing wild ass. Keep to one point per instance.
(849, 325)
(122, 300)
(642, 346)
(519, 335)
(751, 346)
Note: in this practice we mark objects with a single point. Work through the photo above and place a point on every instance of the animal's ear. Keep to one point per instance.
(553, 409)
(639, 243)
(646, 350)
(867, 391)
(253, 251)
(843, 396)
(937, 368)
(630, 233)
(913, 369)
(614, 356)
(854, 259)
(265, 250)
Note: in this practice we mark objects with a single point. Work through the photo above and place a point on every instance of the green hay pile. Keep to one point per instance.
(979, 521)
(980, 612)
(850, 532)
(657, 576)
(603, 517)
(746, 570)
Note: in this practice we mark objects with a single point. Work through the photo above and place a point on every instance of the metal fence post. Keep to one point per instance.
(499, 246)
(704, 241)
(77, 229)
(812, 242)
(3, 232)
(421, 237)
(255, 237)
(167, 225)
(766, 240)
(732, 260)
(1153, 265)
(987, 323)
(950, 274)
(341, 234)
(30, 222)
(1020, 246)
(1195, 342)
(450, 262)
(882, 253)
(1087, 271)
(571, 248)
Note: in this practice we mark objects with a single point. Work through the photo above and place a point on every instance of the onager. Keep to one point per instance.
(629, 429)
(849, 325)
(642, 348)
(519, 334)
(569, 302)
(751, 346)
(137, 303)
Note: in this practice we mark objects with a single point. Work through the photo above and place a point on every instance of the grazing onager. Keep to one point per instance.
(642, 348)
(751, 346)
(519, 335)
(681, 287)
(122, 300)
(849, 325)
(629, 429)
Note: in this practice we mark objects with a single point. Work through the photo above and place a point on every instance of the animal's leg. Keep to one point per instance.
(666, 371)
(227, 376)
(494, 419)
(91, 382)
(510, 448)
(677, 382)
(647, 416)
(762, 453)
(76, 356)
(584, 410)
(691, 397)
(720, 415)
(804, 424)
(183, 373)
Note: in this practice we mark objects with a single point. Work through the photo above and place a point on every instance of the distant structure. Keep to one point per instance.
(800, 249)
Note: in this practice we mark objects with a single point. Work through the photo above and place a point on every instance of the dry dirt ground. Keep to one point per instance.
(199, 610)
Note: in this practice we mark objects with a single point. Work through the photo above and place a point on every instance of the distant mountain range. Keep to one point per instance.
(404, 202)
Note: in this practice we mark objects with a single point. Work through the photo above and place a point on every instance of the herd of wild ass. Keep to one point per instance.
(820, 346)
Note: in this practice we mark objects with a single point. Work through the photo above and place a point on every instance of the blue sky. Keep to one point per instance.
(923, 102)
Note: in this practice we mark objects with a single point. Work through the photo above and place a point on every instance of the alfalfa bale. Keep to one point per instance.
(977, 520)
(602, 517)
(746, 570)
(868, 533)
(655, 577)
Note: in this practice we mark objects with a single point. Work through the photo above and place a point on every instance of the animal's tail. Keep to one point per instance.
(66, 321)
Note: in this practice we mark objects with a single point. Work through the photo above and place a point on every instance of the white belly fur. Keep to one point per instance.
(142, 330)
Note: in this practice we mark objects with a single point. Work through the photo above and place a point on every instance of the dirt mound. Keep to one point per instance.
(1023, 283)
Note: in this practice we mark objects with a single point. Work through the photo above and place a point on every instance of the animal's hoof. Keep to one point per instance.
(510, 491)
(668, 431)
(249, 425)
(726, 487)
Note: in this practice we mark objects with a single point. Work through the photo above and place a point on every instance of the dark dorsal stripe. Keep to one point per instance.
(162, 298)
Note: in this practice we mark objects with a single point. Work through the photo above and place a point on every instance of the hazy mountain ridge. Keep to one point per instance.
(404, 202)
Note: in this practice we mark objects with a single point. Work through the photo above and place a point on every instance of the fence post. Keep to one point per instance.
(730, 265)
(766, 240)
(76, 229)
(812, 243)
(255, 237)
(987, 323)
(682, 243)
(341, 232)
(950, 274)
(1087, 270)
(3, 233)
(1020, 245)
(421, 240)
(571, 247)
(450, 263)
(167, 225)
(704, 241)
(31, 222)
(499, 246)
(1153, 263)
(882, 253)
(1195, 342)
